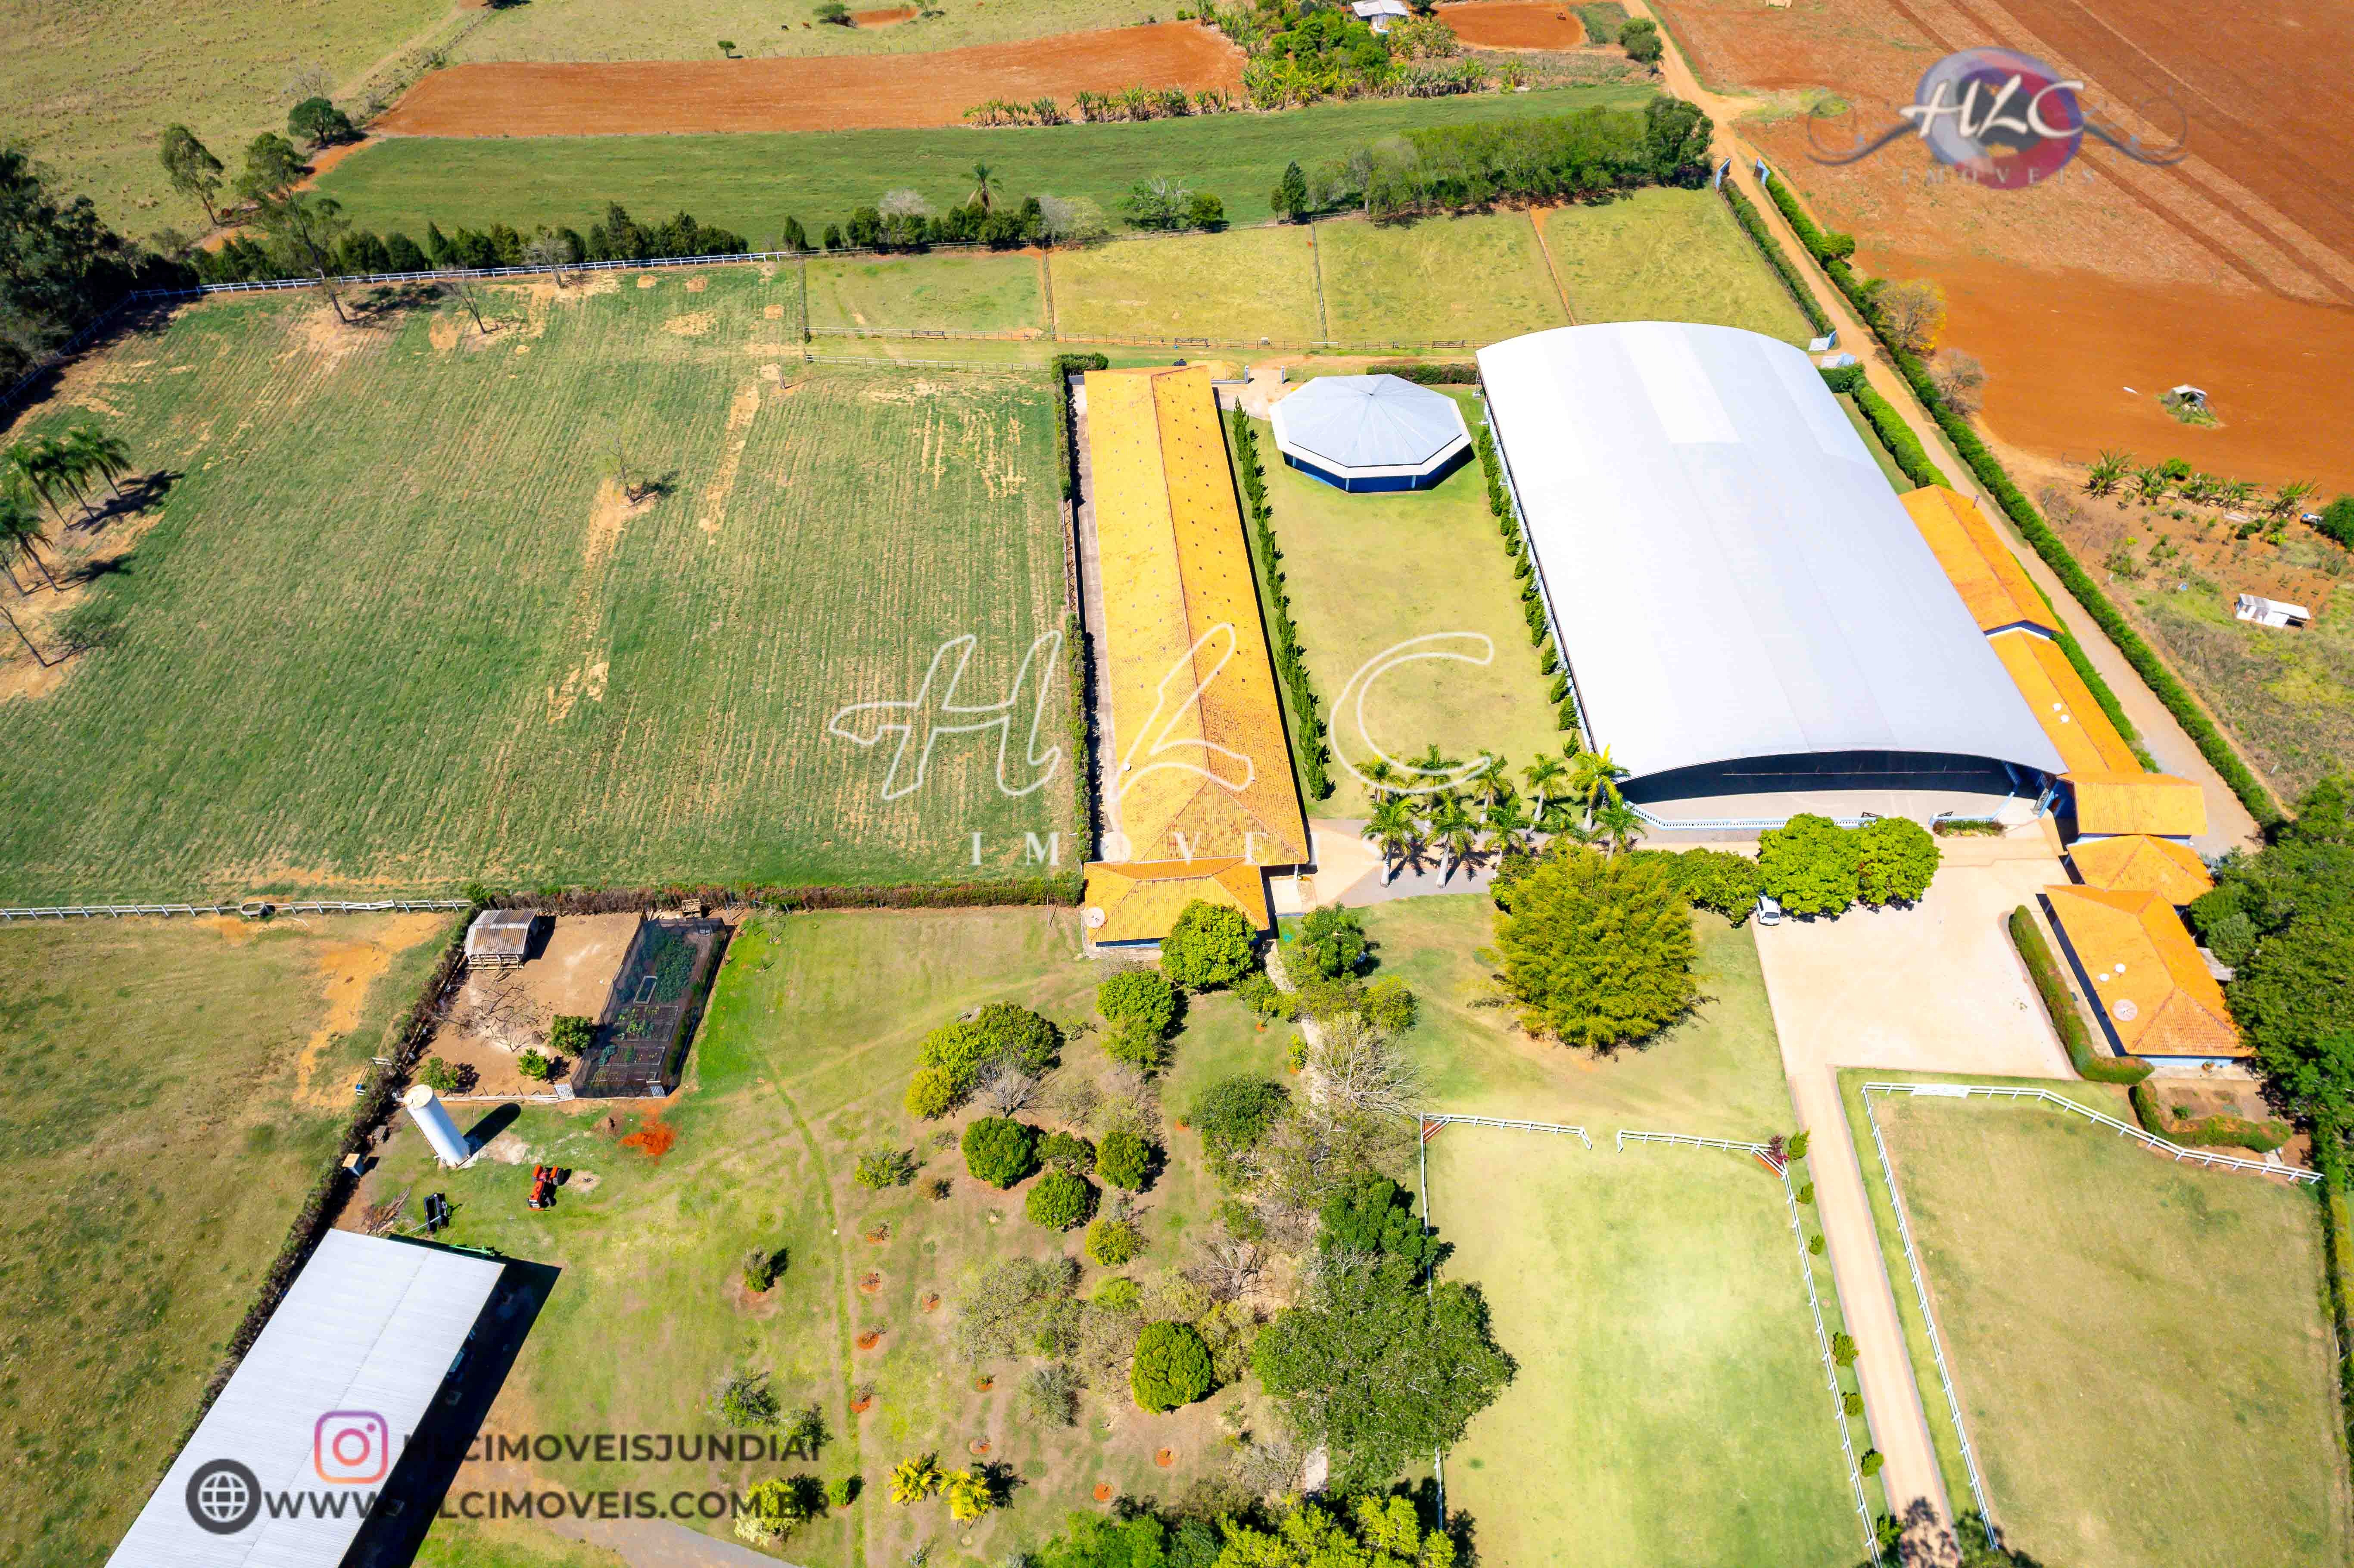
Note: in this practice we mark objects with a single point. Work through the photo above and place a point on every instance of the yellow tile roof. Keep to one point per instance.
(1139, 901)
(1989, 578)
(2151, 984)
(2136, 862)
(1203, 770)
(2057, 696)
(2156, 803)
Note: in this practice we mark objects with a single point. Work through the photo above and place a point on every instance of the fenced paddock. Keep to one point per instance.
(650, 1015)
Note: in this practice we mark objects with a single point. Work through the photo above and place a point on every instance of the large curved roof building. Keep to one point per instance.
(1753, 624)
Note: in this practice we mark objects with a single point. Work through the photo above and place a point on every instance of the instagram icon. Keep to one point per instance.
(351, 1447)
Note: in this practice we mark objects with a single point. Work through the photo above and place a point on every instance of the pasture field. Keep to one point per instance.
(619, 30)
(2095, 1300)
(967, 291)
(1369, 572)
(88, 89)
(1476, 279)
(1668, 255)
(1244, 284)
(393, 626)
(753, 183)
(175, 1089)
(798, 1070)
(1669, 1407)
(464, 1544)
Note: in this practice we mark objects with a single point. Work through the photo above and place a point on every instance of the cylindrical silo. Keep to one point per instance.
(425, 1109)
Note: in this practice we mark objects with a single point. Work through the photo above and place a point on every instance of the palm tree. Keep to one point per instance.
(2289, 498)
(2151, 481)
(27, 641)
(1507, 821)
(1395, 833)
(2107, 470)
(1456, 834)
(98, 453)
(1541, 776)
(21, 533)
(1593, 780)
(1616, 820)
(1381, 776)
(985, 186)
(34, 466)
(1492, 777)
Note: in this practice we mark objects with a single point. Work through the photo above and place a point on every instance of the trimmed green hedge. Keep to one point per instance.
(2058, 1001)
(2207, 1132)
(1896, 436)
(1290, 667)
(2210, 741)
(1745, 214)
(1508, 522)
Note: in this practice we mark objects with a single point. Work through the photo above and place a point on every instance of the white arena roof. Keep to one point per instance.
(365, 1336)
(1366, 426)
(1731, 575)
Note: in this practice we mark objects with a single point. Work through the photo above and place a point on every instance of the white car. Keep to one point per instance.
(1768, 912)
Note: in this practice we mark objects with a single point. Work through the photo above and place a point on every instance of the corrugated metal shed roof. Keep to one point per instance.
(1358, 422)
(1734, 576)
(369, 1328)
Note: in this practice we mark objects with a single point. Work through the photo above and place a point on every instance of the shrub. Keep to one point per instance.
(1066, 1151)
(1117, 1294)
(931, 1092)
(1390, 1005)
(841, 1491)
(1597, 951)
(569, 1035)
(760, 1266)
(445, 1078)
(1852, 1402)
(1815, 1245)
(913, 1480)
(1205, 211)
(881, 1168)
(1806, 1193)
(1114, 1244)
(1140, 997)
(1232, 1116)
(1124, 1159)
(535, 1066)
(1895, 859)
(1808, 866)
(1640, 39)
(1870, 1462)
(1716, 880)
(1172, 1367)
(1060, 1200)
(1050, 1395)
(1843, 1349)
(1331, 942)
(1000, 1150)
(1266, 999)
(746, 1399)
(2059, 1006)
(1138, 1046)
(1325, 998)
(1209, 945)
(969, 1494)
(773, 1507)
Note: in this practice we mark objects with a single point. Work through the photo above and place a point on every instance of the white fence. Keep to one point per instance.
(252, 909)
(1509, 1125)
(2205, 1157)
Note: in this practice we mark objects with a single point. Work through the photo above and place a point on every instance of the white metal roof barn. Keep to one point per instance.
(1753, 624)
(1371, 432)
(345, 1369)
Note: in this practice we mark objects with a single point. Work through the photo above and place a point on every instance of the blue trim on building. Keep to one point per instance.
(1382, 482)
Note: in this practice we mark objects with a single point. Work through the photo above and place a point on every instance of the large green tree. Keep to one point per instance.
(1209, 945)
(1810, 866)
(59, 266)
(191, 168)
(1598, 950)
(1895, 858)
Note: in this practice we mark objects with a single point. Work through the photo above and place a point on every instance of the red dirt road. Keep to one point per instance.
(1514, 25)
(859, 92)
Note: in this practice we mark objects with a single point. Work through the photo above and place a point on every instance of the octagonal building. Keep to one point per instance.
(1371, 432)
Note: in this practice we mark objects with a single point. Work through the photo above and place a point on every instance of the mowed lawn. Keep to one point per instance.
(1473, 279)
(395, 627)
(1369, 573)
(753, 183)
(952, 291)
(1670, 256)
(175, 1090)
(2143, 1354)
(1239, 286)
(1669, 1406)
(801, 1068)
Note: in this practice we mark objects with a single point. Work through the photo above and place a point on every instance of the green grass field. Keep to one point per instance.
(621, 30)
(1369, 572)
(1668, 255)
(1473, 279)
(1238, 286)
(1669, 1407)
(461, 1544)
(2144, 1357)
(753, 183)
(175, 1089)
(800, 1068)
(969, 292)
(393, 628)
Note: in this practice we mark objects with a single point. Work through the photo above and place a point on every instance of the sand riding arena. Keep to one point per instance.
(830, 92)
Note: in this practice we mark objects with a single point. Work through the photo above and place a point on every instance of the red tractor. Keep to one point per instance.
(543, 1187)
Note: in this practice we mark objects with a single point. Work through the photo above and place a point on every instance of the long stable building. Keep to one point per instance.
(1198, 790)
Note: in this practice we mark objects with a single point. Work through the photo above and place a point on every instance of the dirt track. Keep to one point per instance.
(859, 92)
(1514, 25)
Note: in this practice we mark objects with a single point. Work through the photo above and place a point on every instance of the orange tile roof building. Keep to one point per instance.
(1996, 588)
(1201, 767)
(2144, 974)
(2136, 862)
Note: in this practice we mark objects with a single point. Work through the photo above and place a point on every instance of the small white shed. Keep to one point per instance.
(1382, 14)
(2271, 612)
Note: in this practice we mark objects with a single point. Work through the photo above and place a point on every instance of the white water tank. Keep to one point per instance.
(426, 1110)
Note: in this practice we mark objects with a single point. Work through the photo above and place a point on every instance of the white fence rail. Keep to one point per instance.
(252, 909)
(1508, 1124)
(2205, 1157)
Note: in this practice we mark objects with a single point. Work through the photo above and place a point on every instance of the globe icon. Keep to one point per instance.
(223, 1496)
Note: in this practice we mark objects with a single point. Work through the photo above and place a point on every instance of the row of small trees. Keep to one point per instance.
(1451, 169)
(37, 473)
(1127, 104)
(2115, 470)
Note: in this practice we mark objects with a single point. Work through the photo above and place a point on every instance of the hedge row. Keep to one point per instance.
(1459, 373)
(2060, 1003)
(2337, 1237)
(1745, 214)
(1061, 367)
(1079, 668)
(1290, 667)
(2207, 1132)
(1059, 888)
(1516, 546)
(2031, 527)
(1904, 447)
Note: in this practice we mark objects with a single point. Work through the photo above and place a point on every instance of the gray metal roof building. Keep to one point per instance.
(346, 1368)
(1743, 605)
(1371, 432)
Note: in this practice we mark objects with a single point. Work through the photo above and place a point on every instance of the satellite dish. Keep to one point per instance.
(1092, 917)
(2125, 1009)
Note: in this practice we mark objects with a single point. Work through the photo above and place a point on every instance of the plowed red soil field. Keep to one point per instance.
(2233, 270)
(638, 98)
(1514, 25)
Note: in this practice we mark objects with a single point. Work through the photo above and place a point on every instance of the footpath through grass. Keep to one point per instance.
(2142, 1349)
(1670, 1408)
(753, 183)
(395, 628)
(175, 1090)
